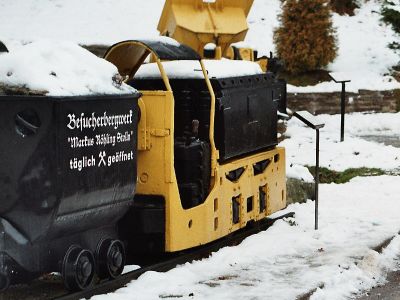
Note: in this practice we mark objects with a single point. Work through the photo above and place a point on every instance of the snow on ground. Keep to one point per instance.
(363, 39)
(60, 68)
(354, 152)
(290, 259)
(299, 172)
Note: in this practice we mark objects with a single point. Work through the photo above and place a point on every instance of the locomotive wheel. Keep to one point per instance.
(110, 258)
(78, 268)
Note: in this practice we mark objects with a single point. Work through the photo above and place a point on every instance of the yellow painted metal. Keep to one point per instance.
(155, 164)
(186, 228)
(214, 152)
(246, 54)
(128, 56)
(263, 62)
(218, 52)
(197, 22)
(143, 134)
(163, 74)
(212, 219)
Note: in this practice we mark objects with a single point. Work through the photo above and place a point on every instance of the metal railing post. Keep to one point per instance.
(316, 179)
(311, 122)
(342, 110)
(337, 77)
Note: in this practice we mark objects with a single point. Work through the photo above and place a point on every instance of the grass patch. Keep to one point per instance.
(329, 176)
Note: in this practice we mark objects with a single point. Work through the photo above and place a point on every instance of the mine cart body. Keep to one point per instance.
(68, 174)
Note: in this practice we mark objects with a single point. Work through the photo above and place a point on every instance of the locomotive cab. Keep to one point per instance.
(207, 157)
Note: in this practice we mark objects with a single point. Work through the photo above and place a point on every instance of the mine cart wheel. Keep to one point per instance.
(4, 281)
(78, 268)
(110, 258)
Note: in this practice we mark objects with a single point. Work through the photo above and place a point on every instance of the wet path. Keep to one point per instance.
(391, 290)
(388, 140)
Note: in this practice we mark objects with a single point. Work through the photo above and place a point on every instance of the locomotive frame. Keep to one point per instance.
(232, 203)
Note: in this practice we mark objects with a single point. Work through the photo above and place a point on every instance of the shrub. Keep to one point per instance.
(391, 16)
(344, 7)
(305, 39)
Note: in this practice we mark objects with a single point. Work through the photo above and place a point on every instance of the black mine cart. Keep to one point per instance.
(67, 175)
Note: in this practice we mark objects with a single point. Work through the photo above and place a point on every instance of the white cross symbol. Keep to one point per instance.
(101, 156)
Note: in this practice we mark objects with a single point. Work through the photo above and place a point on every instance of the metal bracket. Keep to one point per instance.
(159, 132)
(143, 134)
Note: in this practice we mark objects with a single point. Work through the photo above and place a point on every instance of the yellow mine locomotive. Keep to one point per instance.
(207, 157)
(194, 159)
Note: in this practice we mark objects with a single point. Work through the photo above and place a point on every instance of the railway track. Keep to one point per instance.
(52, 287)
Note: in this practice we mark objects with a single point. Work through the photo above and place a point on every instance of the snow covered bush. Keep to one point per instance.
(391, 13)
(305, 39)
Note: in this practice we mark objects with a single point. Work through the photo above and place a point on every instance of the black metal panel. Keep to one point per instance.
(193, 168)
(236, 210)
(280, 95)
(143, 226)
(262, 198)
(67, 165)
(245, 116)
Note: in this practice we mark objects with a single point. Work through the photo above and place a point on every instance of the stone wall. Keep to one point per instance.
(329, 103)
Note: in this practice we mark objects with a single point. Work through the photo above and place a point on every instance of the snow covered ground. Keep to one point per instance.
(355, 151)
(291, 259)
(363, 53)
